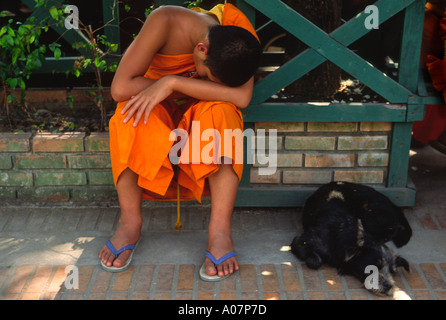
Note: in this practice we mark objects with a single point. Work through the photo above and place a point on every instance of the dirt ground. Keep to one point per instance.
(39, 118)
(24, 117)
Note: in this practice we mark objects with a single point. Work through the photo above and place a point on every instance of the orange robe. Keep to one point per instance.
(145, 148)
(433, 58)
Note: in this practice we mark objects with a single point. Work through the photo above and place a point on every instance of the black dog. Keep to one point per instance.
(346, 226)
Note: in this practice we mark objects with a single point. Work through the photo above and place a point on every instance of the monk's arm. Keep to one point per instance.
(142, 104)
(129, 78)
(208, 90)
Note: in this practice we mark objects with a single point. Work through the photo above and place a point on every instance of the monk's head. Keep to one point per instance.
(230, 55)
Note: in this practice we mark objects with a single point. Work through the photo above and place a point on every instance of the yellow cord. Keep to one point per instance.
(178, 225)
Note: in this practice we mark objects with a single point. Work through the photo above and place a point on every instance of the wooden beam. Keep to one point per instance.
(296, 196)
(325, 112)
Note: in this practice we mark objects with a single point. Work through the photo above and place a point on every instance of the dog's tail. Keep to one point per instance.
(303, 250)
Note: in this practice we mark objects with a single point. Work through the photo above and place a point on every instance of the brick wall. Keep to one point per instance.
(55, 168)
(319, 152)
(75, 168)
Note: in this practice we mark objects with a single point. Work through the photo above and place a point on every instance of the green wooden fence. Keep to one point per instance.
(405, 99)
(406, 96)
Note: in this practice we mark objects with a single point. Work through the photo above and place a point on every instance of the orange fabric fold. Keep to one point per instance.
(145, 149)
(232, 16)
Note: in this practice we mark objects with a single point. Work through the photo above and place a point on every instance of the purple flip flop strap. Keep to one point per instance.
(218, 261)
(118, 252)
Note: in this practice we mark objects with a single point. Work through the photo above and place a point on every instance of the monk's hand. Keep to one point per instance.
(143, 103)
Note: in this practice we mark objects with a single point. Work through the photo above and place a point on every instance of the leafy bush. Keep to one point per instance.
(21, 54)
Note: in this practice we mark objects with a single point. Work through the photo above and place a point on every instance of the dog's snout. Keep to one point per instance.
(386, 287)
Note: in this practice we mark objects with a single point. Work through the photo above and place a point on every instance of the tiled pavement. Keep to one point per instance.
(38, 244)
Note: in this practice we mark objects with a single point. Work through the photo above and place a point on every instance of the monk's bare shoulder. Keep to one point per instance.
(186, 27)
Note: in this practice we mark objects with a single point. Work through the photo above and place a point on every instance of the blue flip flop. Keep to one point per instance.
(116, 254)
(204, 276)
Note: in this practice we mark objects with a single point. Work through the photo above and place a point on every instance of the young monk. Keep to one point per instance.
(184, 66)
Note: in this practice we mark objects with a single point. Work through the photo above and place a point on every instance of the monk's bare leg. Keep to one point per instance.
(129, 229)
(223, 186)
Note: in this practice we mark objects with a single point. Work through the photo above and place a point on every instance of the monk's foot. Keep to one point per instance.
(125, 234)
(219, 245)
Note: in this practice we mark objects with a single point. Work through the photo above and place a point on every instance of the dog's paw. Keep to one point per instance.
(313, 261)
(401, 262)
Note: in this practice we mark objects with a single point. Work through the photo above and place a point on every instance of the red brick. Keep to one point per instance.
(336, 295)
(57, 283)
(228, 284)
(60, 142)
(165, 277)
(141, 296)
(123, 280)
(228, 296)
(332, 278)
(250, 296)
(144, 278)
(102, 281)
(248, 277)
(290, 277)
(85, 273)
(97, 296)
(422, 295)
(269, 278)
(271, 296)
(162, 296)
(358, 295)
(15, 142)
(316, 295)
(295, 295)
(30, 296)
(413, 278)
(205, 295)
(119, 296)
(311, 278)
(183, 296)
(46, 96)
(186, 277)
(441, 295)
(98, 142)
(19, 279)
(433, 276)
(40, 279)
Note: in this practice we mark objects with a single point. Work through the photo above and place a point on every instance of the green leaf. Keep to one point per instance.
(11, 98)
(12, 82)
(57, 53)
(53, 13)
(114, 47)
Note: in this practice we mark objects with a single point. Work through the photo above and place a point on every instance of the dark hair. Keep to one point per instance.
(233, 55)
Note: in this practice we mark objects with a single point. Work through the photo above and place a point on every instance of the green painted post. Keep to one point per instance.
(408, 76)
